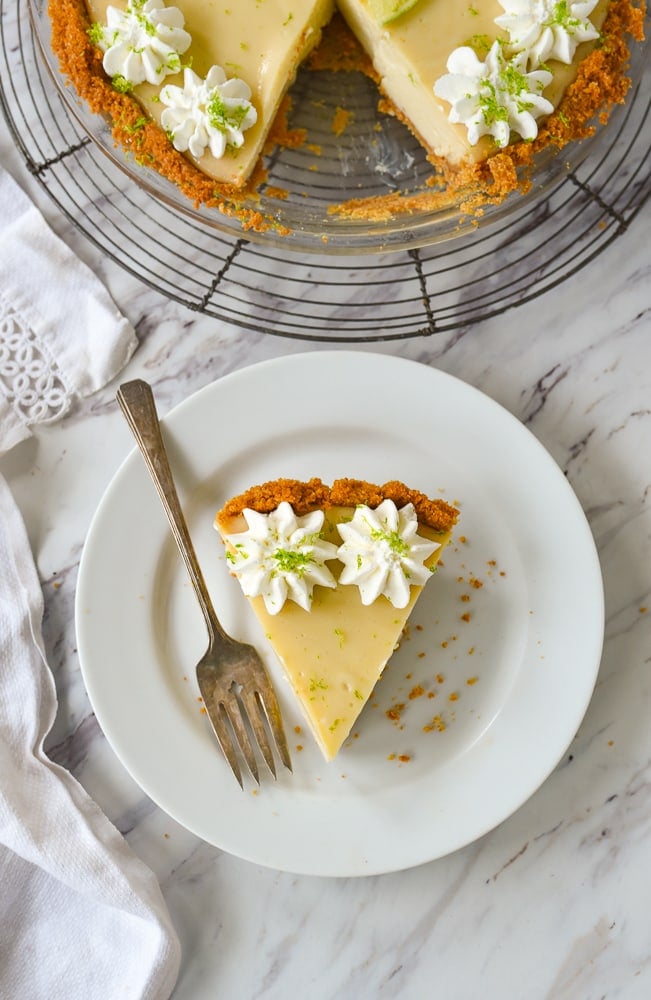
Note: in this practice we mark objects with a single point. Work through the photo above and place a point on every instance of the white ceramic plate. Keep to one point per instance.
(505, 641)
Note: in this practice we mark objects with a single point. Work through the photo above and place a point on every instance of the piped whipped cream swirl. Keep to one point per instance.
(547, 29)
(142, 42)
(496, 96)
(207, 114)
(281, 556)
(383, 554)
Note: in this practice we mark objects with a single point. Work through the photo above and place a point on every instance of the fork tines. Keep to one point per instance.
(237, 715)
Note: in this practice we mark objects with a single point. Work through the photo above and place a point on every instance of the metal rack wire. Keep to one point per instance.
(389, 296)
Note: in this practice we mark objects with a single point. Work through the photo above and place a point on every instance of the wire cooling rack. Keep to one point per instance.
(389, 296)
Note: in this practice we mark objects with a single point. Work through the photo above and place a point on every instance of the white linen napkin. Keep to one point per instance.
(81, 917)
(60, 333)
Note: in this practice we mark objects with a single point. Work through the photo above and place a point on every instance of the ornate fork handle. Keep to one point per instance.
(137, 403)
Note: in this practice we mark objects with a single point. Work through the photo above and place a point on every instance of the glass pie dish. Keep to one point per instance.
(373, 158)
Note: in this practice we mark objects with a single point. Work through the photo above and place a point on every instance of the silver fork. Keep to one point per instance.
(236, 691)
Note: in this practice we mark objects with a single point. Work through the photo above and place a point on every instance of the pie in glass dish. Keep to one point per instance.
(200, 91)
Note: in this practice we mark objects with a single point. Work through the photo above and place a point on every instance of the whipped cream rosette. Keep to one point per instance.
(281, 556)
(207, 114)
(547, 29)
(142, 43)
(495, 96)
(383, 554)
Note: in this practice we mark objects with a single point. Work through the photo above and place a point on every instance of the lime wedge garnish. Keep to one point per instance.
(388, 10)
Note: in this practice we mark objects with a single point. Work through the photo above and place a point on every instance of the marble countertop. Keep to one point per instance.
(552, 903)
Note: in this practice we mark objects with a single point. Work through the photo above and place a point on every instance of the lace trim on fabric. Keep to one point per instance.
(29, 380)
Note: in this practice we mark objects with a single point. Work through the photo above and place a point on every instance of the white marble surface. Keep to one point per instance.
(553, 903)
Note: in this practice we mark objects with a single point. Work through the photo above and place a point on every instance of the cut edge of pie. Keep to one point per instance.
(334, 653)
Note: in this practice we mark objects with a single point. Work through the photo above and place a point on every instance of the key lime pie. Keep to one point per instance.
(332, 574)
(195, 89)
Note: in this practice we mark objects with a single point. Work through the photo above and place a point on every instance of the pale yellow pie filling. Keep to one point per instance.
(334, 654)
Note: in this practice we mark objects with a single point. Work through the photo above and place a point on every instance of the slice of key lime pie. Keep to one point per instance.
(212, 74)
(472, 77)
(332, 574)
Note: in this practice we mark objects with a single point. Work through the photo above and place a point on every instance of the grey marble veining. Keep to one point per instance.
(552, 904)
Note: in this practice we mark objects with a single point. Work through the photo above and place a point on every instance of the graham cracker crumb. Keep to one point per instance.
(315, 495)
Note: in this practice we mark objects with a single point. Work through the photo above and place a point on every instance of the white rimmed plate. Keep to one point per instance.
(485, 693)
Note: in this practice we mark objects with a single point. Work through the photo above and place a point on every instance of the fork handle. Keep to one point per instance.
(137, 403)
